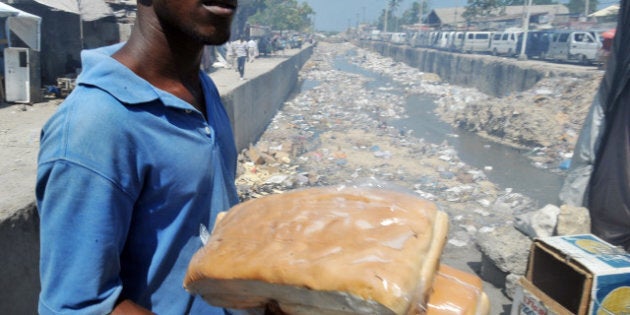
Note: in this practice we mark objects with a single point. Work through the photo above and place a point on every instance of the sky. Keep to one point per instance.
(337, 15)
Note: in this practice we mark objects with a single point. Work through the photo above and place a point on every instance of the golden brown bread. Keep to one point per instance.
(325, 250)
(457, 292)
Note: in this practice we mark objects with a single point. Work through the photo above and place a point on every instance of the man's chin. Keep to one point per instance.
(215, 39)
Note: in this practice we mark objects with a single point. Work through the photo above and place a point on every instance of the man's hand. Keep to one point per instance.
(127, 307)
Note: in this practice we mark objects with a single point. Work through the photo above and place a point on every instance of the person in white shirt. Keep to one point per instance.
(252, 46)
(240, 49)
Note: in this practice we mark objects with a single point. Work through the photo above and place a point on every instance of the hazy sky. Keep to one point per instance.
(337, 15)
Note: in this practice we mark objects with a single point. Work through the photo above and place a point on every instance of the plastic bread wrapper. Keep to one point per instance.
(356, 246)
(456, 292)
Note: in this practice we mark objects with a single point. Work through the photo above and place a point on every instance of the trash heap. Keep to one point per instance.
(337, 132)
(545, 119)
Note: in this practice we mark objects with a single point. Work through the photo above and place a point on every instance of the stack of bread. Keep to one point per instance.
(333, 250)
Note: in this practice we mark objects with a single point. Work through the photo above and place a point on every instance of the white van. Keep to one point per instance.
(442, 40)
(579, 46)
(399, 38)
(375, 35)
(434, 38)
(420, 39)
(476, 42)
(455, 41)
(504, 43)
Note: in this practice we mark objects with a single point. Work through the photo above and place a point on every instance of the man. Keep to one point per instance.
(136, 161)
(240, 49)
(599, 178)
(252, 48)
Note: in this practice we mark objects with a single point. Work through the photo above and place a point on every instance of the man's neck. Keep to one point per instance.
(169, 62)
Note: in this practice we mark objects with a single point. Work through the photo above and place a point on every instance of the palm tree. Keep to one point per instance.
(393, 6)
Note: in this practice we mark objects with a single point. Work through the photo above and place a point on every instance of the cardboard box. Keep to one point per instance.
(575, 274)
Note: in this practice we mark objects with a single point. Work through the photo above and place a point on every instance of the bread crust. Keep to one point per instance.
(456, 292)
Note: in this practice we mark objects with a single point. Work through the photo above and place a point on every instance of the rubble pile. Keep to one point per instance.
(337, 133)
(546, 119)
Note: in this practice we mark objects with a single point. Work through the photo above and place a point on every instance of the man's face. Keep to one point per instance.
(206, 21)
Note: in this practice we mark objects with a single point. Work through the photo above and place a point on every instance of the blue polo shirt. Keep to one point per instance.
(127, 174)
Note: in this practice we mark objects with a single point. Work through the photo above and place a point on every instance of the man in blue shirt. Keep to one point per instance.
(133, 164)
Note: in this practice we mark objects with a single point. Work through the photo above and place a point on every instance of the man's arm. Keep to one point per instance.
(127, 307)
(84, 219)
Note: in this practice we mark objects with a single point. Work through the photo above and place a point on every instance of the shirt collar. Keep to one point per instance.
(106, 73)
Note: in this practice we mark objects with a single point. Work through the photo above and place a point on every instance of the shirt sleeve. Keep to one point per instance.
(84, 222)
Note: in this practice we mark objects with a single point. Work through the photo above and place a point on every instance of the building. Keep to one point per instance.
(508, 16)
(64, 34)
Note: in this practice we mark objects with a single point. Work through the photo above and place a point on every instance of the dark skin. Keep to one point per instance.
(167, 52)
(165, 49)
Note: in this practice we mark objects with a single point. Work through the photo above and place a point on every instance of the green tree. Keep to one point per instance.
(393, 7)
(246, 8)
(426, 6)
(282, 14)
(479, 8)
(412, 15)
(578, 6)
(535, 2)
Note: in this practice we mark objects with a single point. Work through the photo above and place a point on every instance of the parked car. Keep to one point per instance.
(504, 43)
(476, 42)
(579, 46)
(537, 44)
(399, 38)
(455, 41)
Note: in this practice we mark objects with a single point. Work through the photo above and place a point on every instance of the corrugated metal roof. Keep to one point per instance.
(454, 15)
(89, 10)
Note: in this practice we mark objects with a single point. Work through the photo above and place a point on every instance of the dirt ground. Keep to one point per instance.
(20, 127)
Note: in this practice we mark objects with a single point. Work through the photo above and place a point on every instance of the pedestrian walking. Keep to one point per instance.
(252, 49)
(230, 56)
(134, 163)
(240, 49)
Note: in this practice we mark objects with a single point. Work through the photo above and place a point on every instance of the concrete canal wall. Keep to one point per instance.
(491, 75)
(251, 105)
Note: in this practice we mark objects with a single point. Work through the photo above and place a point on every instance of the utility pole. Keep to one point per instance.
(586, 8)
(523, 55)
(385, 19)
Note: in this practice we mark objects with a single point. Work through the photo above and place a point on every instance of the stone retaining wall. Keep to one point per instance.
(251, 106)
(491, 75)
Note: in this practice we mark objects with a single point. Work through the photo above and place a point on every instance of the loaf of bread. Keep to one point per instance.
(330, 250)
(457, 292)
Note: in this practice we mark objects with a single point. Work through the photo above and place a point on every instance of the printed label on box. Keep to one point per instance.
(530, 305)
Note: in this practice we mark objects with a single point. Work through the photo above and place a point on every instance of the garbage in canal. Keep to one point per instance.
(338, 133)
(344, 131)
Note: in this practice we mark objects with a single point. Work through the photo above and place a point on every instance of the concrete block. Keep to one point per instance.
(19, 275)
(507, 249)
(540, 223)
(573, 220)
